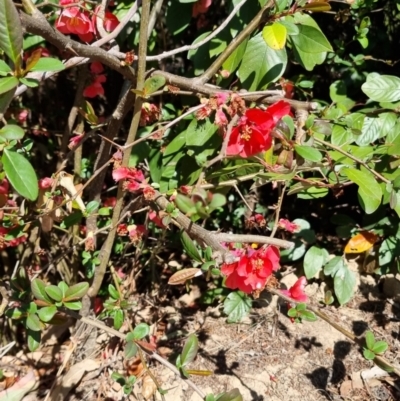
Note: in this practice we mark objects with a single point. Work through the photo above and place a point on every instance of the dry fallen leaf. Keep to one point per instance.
(361, 242)
(148, 387)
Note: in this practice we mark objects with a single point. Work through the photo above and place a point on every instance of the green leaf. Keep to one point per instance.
(218, 200)
(4, 68)
(310, 39)
(74, 305)
(113, 292)
(190, 247)
(341, 135)
(76, 291)
(178, 16)
(308, 316)
(380, 347)
(369, 190)
(190, 349)
(33, 322)
(261, 65)
(118, 319)
(140, 331)
(235, 58)
(92, 206)
(12, 132)
(47, 313)
(275, 35)
(382, 88)
(308, 153)
(29, 82)
(38, 289)
(369, 355)
(131, 350)
(8, 83)
(369, 339)
(200, 132)
(333, 266)
(236, 306)
(21, 174)
(233, 395)
(344, 285)
(63, 286)
(33, 339)
(72, 219)
(153, 84)
(314, 259)
(48, 64)
(11, 38)
(54, 292)
(370, 131)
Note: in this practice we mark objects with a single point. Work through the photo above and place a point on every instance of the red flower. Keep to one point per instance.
(253, 269)
(296, 292)
(136, 233)
(288, 225)
(96, 87)
(45, 183)
(134, 180)
(253, 133)
(156, 219)
(75, 141)
(200, 7)
(110, 202)
(73, 20)
(110, 20)
(96, 67)
(4, 186)
(149, 113)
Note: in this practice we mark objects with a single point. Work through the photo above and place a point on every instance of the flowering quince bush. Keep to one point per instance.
(238, 134)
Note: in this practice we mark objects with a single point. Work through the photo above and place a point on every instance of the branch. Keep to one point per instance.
(38, 25)
(141, 75)
(202, 42)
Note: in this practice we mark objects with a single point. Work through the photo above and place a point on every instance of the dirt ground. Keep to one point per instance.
(267, 357)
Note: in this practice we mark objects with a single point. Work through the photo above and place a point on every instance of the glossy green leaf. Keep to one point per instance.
(261, 65)
(4, 68)
(8, 83)
(344, 285)
(382, 88)
(54, 292)
(314, 259)
(369, 190)
(310, 39)
(199, 132)
(369, 355)
(380, 347)
(10, 31)
(113, 291)
(308, 316)
(190, 247)
(153, 84)
(370, 132)
(308, 153)
(236, 306)
(33, 339)
(33, 322)
(369, 339)
(275, 35)
(76, 291)
(12, 132)
(47, 313)
(235, 58)
(190, 349)
(38, 290)
(73, 305)
(341, 135)
(21, 174)
(48, 64)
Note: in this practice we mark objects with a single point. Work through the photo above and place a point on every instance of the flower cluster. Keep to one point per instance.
(77, 21)
(253, 133)
(251, 272)
(135, 232)
(134, 181)
(288, 226)
(96, 86)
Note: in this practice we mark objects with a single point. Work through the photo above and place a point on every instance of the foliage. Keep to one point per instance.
(296, 108)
